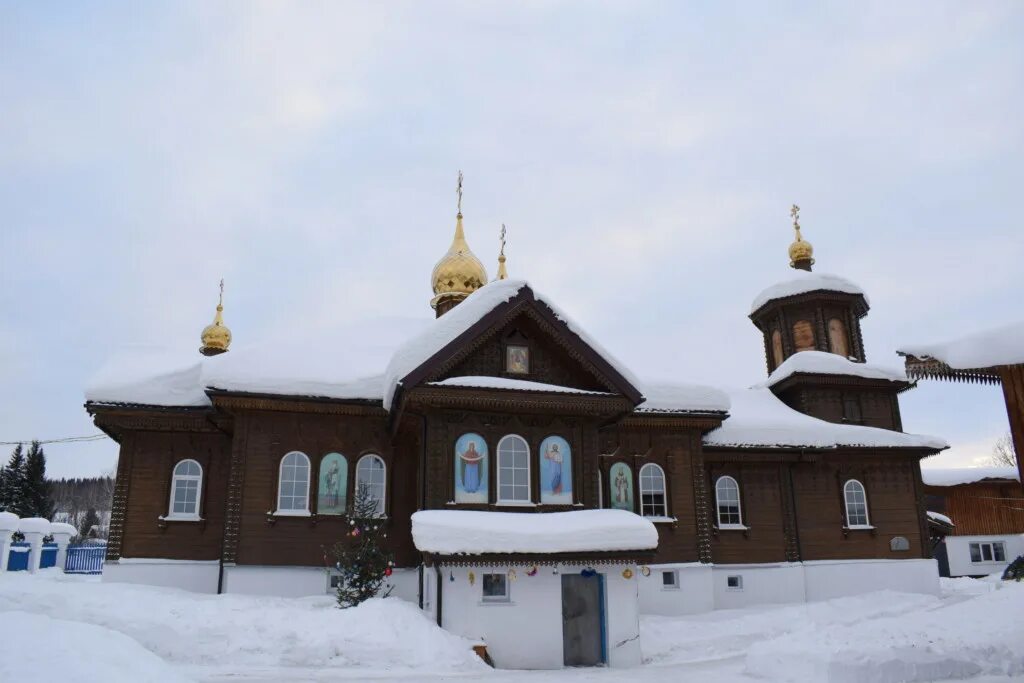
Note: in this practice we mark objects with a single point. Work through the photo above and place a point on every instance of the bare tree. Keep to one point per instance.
(1003, 453)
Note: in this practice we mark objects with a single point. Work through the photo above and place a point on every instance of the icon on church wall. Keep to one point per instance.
(555, 471)
(517, 359)
(333, 485)
(620, 484)
(471, 469)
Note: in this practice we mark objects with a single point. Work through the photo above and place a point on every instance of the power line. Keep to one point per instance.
(66, 439)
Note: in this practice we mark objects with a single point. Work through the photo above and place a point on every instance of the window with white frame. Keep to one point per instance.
(727, 500)
(293, 485)
(988, 552)
(186, 485)
(856, 504)
(652, 491)
(370, 473)
(495, 588)
(513, 470)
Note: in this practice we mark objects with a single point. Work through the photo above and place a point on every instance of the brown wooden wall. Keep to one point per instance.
(1012, 379)
(982, 508)
(762, 505)
(878, 408)
(148, 460)
(268, 436)
(894, 508)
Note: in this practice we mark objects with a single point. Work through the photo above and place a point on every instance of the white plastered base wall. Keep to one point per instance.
(958, 549)
(703, 587)
(526, 631)
(298, 582)
(198, 576)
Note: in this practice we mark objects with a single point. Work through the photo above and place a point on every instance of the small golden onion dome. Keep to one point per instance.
(216, 336)
(459, 273)
(801, 252)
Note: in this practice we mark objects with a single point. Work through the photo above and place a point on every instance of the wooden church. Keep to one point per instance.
(537, 496)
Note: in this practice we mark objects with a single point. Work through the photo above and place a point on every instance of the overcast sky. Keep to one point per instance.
(644, 156)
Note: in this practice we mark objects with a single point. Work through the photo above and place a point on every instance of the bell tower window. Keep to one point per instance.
(837, 339)
(777, 347)
(803, 335)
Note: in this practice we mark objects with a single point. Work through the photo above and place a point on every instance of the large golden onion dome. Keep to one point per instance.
(459, 273)
(801, 252)
(216, 336)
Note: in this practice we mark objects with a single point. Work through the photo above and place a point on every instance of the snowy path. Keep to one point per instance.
(971, 632)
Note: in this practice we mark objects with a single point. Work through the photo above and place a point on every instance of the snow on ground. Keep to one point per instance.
(972, 631)
(34, 647)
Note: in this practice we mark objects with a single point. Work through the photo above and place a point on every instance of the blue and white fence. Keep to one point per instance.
(32, 554)
(85, 559)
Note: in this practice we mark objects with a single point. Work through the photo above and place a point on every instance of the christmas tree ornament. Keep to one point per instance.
(588, 572)
(451, 576)
(387, 571)
(532, 571)
(512, 574)
(627, 573)
(472, 578)
(646, 571)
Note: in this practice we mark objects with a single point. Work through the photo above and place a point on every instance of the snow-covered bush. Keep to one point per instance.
(1015, 571)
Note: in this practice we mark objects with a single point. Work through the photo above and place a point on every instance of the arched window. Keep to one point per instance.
(856, 504)
(513, 470)
(293, 485)
(370, 473)
(727, 498)
(803, 335)
(186, 485)
(837, 340)
(652, 491)
(777, 347)
(471, 472)
(333, 485)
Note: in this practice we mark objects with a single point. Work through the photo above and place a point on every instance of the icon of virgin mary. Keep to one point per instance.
(470, 460)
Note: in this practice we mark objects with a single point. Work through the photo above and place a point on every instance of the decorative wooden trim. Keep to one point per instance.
(597, 557)
(701, 504)
(705, 422)
(506, 400)
(119, 505)
(857, 302)
(814, 379)
(233, 503)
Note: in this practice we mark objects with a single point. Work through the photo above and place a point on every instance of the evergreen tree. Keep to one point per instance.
(361, 559)
(90, 520)
(1015, 572)
(37, 489)
(12, 495)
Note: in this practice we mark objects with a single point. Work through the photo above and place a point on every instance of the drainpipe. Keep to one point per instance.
(440, 594)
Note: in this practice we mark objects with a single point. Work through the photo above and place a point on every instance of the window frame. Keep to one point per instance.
(664, 491)
(382, 508)
(529, 474)
(718, 503)
(504, 598)
(293, 512)
(991, 546)
(846, 505)
(674, 584)
(175, 478)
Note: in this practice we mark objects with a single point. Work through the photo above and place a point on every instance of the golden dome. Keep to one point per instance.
(801, 252)
(459, 273)
(216, 336)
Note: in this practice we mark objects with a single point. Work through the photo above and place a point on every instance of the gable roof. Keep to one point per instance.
(985, 349)
(448, 335)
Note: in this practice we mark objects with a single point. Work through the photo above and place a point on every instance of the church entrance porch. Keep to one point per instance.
(583, 620)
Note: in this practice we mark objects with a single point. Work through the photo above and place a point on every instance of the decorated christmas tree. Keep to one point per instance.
(361, 560)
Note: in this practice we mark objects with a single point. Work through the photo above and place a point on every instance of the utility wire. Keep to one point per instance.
(67, 439)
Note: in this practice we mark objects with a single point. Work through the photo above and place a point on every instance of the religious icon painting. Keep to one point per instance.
(517, 359)
(620, 486)
(555, 471)
(333, 485)
(470, 469)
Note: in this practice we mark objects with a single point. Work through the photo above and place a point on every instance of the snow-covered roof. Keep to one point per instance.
(822, 362)
(804, 282)
(998, 346)
(487, 382)
(663, 397)
(758, 418)
(456, 532)
(446, 329)
(955, 476)
(939, 517)
(153, 377)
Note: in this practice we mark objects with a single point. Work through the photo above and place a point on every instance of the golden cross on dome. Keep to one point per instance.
(502, 238)
(221, 302)
(795, 213)
(458, 191)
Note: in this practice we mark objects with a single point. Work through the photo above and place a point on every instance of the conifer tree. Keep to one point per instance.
(12, 493)
(37, 489)
(90, 520)
(361, 558)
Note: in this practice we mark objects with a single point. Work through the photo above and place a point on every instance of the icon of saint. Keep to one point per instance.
(621, 488)
(470, 461)
(333, 479)
(555, 458)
